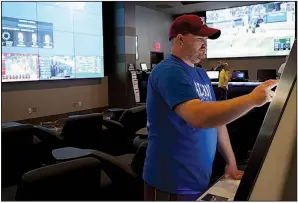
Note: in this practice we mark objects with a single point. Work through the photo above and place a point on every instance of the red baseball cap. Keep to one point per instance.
(192, 24)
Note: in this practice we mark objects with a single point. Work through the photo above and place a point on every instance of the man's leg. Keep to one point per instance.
(223, 94)
(184, 198)
(153, 194)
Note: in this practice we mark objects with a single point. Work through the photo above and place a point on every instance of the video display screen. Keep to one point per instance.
(56, 67)
(250, 31)
(51, 41)
(87, 65)
(26, 33)
(19, 67)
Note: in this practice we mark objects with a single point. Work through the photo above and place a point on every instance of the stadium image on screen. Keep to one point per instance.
(251, 31)
(51, 41)
(56, 67)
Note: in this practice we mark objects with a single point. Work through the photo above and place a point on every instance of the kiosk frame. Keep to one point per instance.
(269, 127)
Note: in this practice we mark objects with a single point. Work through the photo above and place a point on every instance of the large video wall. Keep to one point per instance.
(257, 30)
(51, 40)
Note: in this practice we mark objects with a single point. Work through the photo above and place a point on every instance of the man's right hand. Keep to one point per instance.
(263, 93)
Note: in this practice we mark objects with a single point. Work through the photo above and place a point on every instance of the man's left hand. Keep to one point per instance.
(232, 172)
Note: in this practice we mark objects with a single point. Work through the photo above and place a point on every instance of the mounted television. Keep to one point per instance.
(252, 31)
(51, 41)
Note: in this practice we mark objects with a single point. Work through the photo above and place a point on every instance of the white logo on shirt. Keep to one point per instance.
(203, 91)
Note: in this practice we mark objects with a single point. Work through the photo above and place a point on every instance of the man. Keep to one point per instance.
(185, 122)
(281, 68)
(224, 78)
(219, 66)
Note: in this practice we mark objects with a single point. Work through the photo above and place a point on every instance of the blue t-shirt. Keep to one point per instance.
(179, 156)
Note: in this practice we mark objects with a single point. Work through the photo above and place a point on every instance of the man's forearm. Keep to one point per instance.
(214, 114)
(224, 145)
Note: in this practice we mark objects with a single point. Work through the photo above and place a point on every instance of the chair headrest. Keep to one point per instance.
(60, 169)
(133, 110)
(16, 127)
(136, 109)
(72, 180)
(86, 116)
(18, 134)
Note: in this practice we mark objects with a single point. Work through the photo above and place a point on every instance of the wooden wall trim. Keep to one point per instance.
(36, 121)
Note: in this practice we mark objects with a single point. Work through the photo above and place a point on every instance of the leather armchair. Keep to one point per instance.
(83, 131)
(125, 171)
(131, 121)
(76, 180)
(120, 134)
(18, 152)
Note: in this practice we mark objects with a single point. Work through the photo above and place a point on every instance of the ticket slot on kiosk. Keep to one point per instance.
(271, 172)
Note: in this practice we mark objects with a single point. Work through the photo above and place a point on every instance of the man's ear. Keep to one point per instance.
(180, 37)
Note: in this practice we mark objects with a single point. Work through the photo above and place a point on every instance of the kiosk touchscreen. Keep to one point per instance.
(271, 172)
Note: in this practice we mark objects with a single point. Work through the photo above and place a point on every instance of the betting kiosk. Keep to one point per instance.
(271, 172)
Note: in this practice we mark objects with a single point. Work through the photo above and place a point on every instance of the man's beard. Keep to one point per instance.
(202, 56)
(196, 58)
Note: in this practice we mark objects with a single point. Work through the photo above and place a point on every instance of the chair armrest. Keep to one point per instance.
(117, 171)
(47, 130)
(48, 136)
(69, 153)
(116, 113)
(112, 125)
(142, 133)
